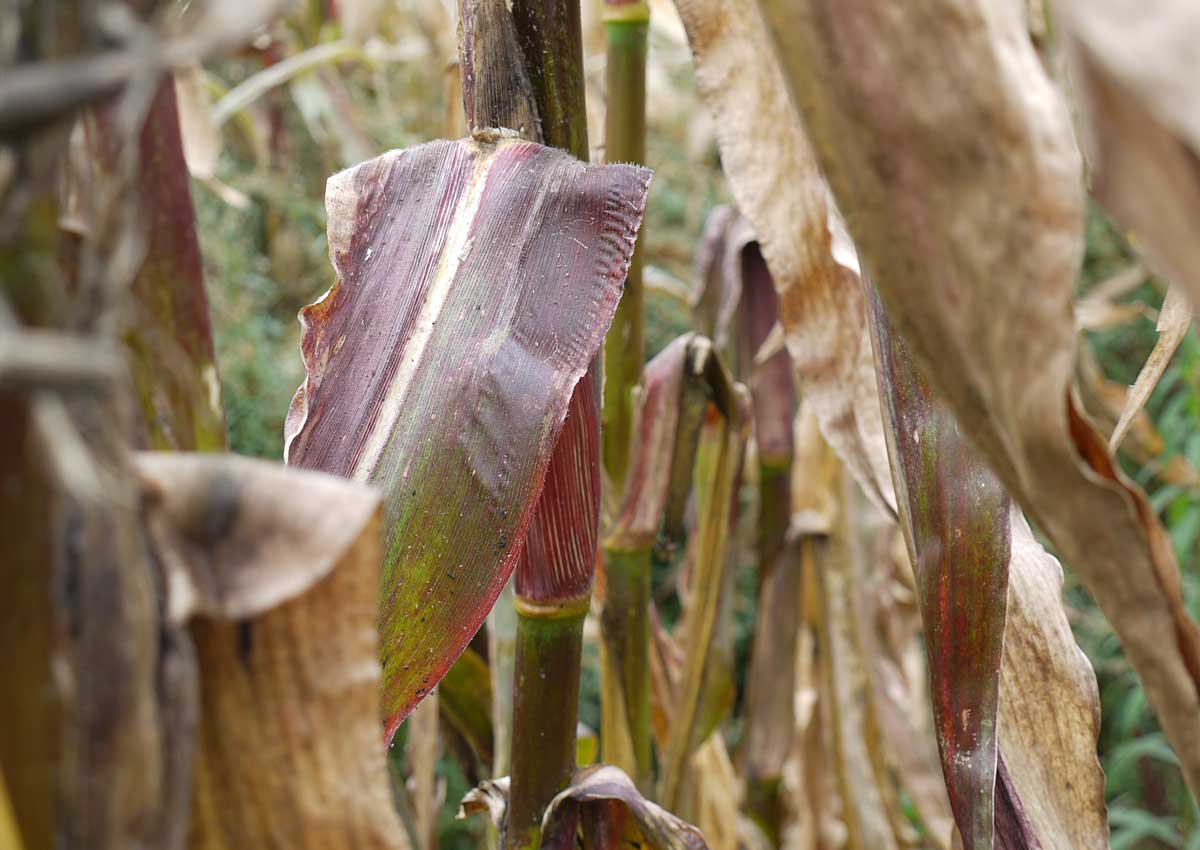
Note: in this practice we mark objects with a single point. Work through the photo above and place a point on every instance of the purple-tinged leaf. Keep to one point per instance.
(475, 282)
(736, 301)
(677, 387)
(601, 805)
(612, 814)
(558, 560)
(954, 513)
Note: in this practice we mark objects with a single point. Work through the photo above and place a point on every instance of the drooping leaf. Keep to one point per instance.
(967, 208)
(763, 151)
(231, 545)
(736, 297)
(500, 264)
(954, 514)
(601, 806)
(732, 275)
(1134, 70)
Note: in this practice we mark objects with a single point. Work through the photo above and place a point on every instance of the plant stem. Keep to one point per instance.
(551, 38)
(770, 719)
(625, 663)
(625, 653)
(545, 708)
(626, 25)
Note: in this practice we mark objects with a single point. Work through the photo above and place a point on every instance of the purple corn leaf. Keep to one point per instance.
(476, 280)
(955, 517)
(558, 560)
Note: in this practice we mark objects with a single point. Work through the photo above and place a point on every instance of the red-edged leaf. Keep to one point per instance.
(954, 513)
(475, 282)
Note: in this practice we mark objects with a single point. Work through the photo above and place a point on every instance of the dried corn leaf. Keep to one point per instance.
(785, 199)
(733, 276)
(957, 192)
(1173, 324)
(705, 687)
(677, 387)
(475, 282)
(846, 678)
(1135, 69)
(281, 575)
(1049, 706)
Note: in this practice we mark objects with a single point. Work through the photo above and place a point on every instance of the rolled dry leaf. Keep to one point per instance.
(715, 797)
(1134, 69)
(475, 282)
(705, 688)
(955, 193)
(846, 678)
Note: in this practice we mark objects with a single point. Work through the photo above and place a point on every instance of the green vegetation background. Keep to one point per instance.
(266, 258)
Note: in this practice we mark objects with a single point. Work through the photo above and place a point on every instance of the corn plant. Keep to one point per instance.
(800, 564)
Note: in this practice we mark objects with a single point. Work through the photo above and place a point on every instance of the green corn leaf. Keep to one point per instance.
(475, 282)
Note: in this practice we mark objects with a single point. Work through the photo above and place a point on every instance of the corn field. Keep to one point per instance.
(710, 425)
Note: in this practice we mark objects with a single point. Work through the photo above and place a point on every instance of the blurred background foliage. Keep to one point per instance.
(262, 226)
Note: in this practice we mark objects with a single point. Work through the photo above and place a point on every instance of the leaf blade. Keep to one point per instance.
(468, 388)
